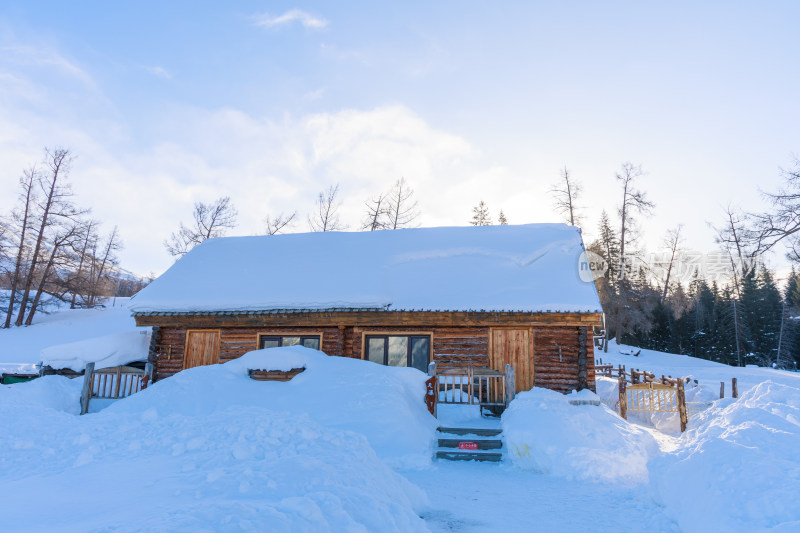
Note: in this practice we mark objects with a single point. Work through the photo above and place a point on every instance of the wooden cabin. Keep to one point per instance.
(480, 296)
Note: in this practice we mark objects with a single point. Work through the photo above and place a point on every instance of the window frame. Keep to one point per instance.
(366, 335)
(281, 334)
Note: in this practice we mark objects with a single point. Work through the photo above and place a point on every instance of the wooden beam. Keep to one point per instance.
(375, 319)
(86, 392)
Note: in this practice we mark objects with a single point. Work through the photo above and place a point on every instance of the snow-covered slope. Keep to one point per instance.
(531, 267)
(708, 373)
(108, 336)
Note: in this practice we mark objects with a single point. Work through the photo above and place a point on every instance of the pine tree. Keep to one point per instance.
(480, 215)
(502, 219)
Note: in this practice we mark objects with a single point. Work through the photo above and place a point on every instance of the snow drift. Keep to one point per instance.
(385, 404)
(545, 433)
(737, 468)
(212, 450)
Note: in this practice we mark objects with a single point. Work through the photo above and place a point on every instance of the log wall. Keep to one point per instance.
(452, 346)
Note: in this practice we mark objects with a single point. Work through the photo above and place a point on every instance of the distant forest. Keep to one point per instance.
(725, 306)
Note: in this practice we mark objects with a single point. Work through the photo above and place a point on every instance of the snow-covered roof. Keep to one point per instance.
(526, 268)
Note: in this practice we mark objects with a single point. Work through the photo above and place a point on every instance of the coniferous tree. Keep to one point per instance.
(480, 215)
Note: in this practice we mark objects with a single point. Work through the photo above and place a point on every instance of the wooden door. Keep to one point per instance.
(513, 346)
(202, 348)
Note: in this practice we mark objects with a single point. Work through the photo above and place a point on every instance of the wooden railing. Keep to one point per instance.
(488, 388)
(112, 383)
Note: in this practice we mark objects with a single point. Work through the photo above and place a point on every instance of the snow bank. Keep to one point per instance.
(212, 450)
(106, 351)
(545, 433)
(532, 267)
(737, 467)
(25, 344)
(48, 392)
(385, 404)
(237, 469)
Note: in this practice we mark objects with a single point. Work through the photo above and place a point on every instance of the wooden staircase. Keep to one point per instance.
(482, 444)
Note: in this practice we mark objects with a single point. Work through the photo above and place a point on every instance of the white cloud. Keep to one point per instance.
(293, 15)
(159, 72)
(45, 57)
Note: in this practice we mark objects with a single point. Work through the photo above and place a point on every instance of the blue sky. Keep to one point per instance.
(167, 103)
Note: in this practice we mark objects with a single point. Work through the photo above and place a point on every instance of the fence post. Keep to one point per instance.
(511, 387)
(682, 405)
(432, 389)
(583, 364)
(734, 388)
(86, 392)
(623, 397)
(149, 371)
(721, 389)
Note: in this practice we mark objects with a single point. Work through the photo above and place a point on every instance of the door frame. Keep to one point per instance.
(531, 347)
(186, 344)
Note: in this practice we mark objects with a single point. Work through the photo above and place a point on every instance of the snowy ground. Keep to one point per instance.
(347, 446)
(69, 338)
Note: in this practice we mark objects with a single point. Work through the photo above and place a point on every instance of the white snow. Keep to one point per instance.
(346, 446)
(385, 404)
(531, 267)
(545, 433)
(70, 338)
(212, 450)
(107, 351)
(737, 469)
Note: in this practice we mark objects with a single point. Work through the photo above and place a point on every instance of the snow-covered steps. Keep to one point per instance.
(470, 444)
(481, 432)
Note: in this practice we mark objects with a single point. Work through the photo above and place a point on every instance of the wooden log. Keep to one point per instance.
(86, 391)
(117, 376)
(682, 406)
(734, 388)
(583, 373)
(623, 397)
(511, 386)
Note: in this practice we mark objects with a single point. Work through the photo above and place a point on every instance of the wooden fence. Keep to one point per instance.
(634, 375)
(113, 383)
(490, 389)
(653, 397)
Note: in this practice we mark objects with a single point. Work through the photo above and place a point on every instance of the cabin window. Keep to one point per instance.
(274, 341)
(399, 350)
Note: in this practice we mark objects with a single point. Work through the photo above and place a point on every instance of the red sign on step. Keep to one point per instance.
(467, 445)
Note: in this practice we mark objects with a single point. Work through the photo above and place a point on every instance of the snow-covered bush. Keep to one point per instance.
(545, 433)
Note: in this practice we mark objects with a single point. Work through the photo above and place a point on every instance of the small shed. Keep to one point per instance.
(458, 296)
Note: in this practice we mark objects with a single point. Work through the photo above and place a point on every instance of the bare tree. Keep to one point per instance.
(279, 223)
(673, 241)
(54, 259)
(480, 215)
(783, 223)
(741, 243)
(502, 220)
(633, 201)
(565, 196)
(56, 209)
(401, 208)
(209, 221)
(326, 217)
(101, 265)
(76, 281)
(23, 217)
(376, 213)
